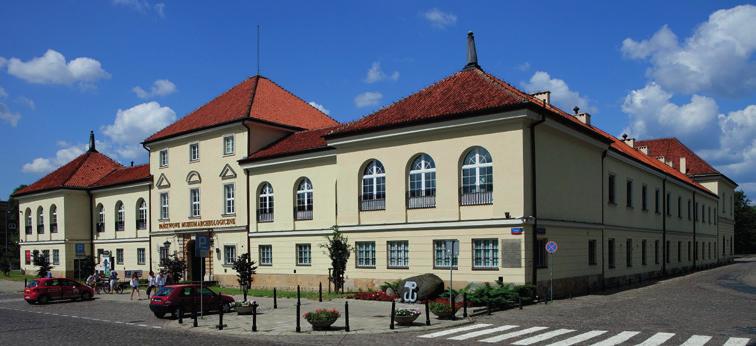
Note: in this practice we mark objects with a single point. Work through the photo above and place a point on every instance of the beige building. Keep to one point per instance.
(469, 158)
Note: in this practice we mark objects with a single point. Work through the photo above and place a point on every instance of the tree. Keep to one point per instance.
(745, 224)
(338, 250)
(174, 266)
(5, 263)
(41, 261)
(245, 268)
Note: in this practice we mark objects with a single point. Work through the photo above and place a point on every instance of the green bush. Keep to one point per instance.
(498, 294)
(393, 285)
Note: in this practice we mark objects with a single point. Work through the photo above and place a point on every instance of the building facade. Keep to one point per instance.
(469, 159)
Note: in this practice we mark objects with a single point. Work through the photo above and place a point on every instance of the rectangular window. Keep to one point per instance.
(656, 201)
(194, 152)
(695, 213)
(228, 145)
(140, 256)
(303, 255)
(709, 214)
(485, 253)
(592, 252)
(541, 258)
(398, 254)
(644, 197)
(668, 204)
(643, 252)
(164, 158)
(612, 195)
(46, 253)
(163, 253)
(703, 213)
(229, 254)
(629, 252)
(266, 255)
(688, 209)
(119, 256)
(194, 203)
(228, 194)
(629, 193)
(656, 252)
(27, 257)
(679, 251)
(610, 254)
(679, 207)
(666, 251)
(365, 252)
(441, 256)
(56, 257)
(689, 253)
(164, 205)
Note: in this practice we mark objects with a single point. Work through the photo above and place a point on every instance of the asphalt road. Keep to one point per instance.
(719, 303)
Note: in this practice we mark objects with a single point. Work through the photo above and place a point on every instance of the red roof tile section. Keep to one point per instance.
(255, 98)
(125, 175)
(672, 149)
(295, 143)
(82, 172)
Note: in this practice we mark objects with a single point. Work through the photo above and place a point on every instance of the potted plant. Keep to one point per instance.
(243, 308)
(322, 319)
(405, 317)
(442, 309)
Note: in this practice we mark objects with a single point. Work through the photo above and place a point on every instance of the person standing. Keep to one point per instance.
(113, 281)
(134, 283)
(151, 283)
(92, 281)
(160, 281)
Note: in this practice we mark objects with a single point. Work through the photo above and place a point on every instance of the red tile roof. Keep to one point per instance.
(125, 175)
(80, 173)
(672, 149)
(255, 98)
(295, 143)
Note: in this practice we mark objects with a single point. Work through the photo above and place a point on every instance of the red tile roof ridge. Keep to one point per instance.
(116, 176)
(51, 182)
(292, 94)
(272, 151)
(694, 160)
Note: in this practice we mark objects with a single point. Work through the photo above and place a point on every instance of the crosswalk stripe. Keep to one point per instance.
(617, 339)
(657, 339)
(455, 330)
(737, 342)
(696, 340)
(482, 332)
(542, 337)
(579, 338)
(513, 334)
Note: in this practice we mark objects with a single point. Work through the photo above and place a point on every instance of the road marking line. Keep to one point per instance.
(143, 325)
(542, 337)
(482, 332)
(579, 338)
(696, 340)
(454, 330)
(737, 342)
(513, 334)
(156, 327)
(657, 339)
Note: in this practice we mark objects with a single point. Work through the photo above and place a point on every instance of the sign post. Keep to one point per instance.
(452, 250)
(201, 249)
(551, 248)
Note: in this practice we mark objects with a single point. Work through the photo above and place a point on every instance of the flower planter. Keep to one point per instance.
(244, 310)
(406, 320)
(322, 319)
(322, 324)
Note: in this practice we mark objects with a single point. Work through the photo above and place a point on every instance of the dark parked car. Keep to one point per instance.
(187, 296)
(44, 290)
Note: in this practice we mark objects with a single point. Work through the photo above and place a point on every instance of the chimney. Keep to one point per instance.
(92, 141)
(628, 141)
(660, 158)
(669, 163)
(683, 166)
(643, 149)
(585, 118)
(472, 54)
(132, 163)
(544, 96)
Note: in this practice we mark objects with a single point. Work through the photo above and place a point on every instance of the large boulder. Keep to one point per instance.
(421, 287)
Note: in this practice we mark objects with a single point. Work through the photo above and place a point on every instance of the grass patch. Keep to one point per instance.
(268, 293)
(15, 275)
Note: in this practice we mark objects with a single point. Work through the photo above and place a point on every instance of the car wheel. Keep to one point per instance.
(160, 314)
(226, 308)
(43, 300)
(86, 296)
(31, 302)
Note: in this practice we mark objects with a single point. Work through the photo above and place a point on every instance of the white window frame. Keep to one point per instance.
(304, 189)
(229, 202)
(266, 199)
(163, 158)
(226, 151)
(365, 254)
(119, 256)
(195, 209)
(229, 258)
(423, 169)
(120, 214)
(142, 212)
(374, 173)
(141, 256)
(53, 214)
(485, 253)
(303, 254)
(56, 257)
(192, 157)
(478, 164)
(439, 246)
(398, 254)
(266, 254)
(164, 206)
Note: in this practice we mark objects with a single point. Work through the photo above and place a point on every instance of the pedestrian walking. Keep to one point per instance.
(92, 281)
(160, 281)
(151, 283)
(49, 274)
(169, 279)
(134, 283)
(113, 281)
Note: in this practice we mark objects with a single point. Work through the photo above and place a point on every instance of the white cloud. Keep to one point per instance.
(319, 107)
(375, 74)
(160, 87)
(133, 125)
(524, 66)
(561, 94)
(143, 6)
(716, 58)
(7, 116)
(3, 61)
(3, 94)
(52, 68)
(439, 19)
(62, 156)
(368, 98)
(29, 103)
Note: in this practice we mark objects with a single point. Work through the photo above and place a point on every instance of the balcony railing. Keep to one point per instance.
(302, 214)
(100, 227)
(475, 198)
(40, 229)
(141, 224)
(53, 228)
(28, 229)
(372, 204)
(418, 202)
(119, 226)
(264, 215)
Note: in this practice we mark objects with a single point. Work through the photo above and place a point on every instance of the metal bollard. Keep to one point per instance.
(220, 317)
(451, 306)
(346, 316)
(320, 292)
(194, 314)
(275, 300)
(181, 314)
(488, 306)
(254, 316)
(427, 314)
(464, 305)
(298, 327)
(298, 301)
(519, 301)
(25, 283)
(393, 312)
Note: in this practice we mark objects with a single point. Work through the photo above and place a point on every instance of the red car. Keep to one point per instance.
(186, 296)
(47, 289)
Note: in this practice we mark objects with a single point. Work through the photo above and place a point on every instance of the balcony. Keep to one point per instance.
(100, 227)
(28, 229)
(53, 228)
(370, 203)
(119, 226)
(421, 202)
(40, 229)
(302, 214)
(264, 215)
(141, 224)
(475, 198)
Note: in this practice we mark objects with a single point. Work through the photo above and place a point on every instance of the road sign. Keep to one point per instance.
(516, 230)
(79, 249)
(201, 246)
(551, 246)
(452, 247)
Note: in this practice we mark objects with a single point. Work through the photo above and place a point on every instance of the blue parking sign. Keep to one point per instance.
(201, 246)
(79, 249)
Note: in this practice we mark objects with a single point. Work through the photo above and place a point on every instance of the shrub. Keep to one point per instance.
(441, 307)
(377, 295)
(322, 315)
(393, 285)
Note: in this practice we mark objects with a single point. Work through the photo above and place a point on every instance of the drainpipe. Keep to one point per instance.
(91, 225)
(695, 221)
(665, 258)
(149, 221)
(603, 222)
(534, 196)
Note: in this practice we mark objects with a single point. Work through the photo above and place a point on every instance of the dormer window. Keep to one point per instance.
(228, 145)
(194, 152)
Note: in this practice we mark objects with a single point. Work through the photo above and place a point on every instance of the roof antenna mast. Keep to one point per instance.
(258, 49)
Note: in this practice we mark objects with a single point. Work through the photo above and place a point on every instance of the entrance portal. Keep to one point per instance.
(196, 264)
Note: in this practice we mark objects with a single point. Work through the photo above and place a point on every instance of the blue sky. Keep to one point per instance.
(648, 68)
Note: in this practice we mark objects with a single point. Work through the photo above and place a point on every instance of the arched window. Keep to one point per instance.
(141, 219)
(265, 203)
(100, 218)
(304, 200)
(477, 178)
(373, 187)
(53, 219)
(40, 220)
(422, 183)
(120, 216)
(28, 219)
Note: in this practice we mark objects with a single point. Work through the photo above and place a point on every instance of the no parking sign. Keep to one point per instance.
(551, 247)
